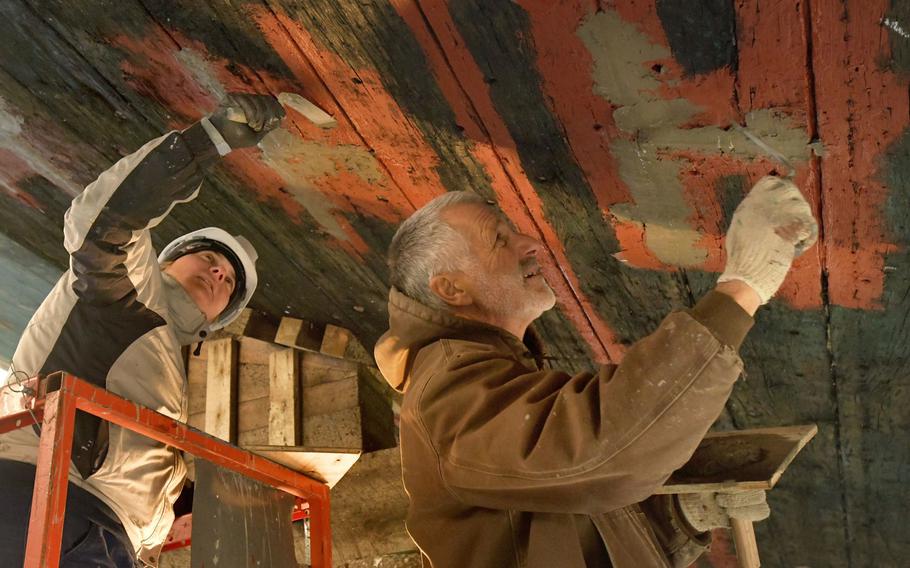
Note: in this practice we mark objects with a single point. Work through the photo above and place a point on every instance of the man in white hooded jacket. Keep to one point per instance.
(118, 318)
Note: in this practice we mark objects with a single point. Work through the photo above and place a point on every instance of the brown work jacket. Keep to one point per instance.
(510, 465)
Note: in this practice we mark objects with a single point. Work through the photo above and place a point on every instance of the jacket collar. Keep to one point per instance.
(184, 317)
(413, 325)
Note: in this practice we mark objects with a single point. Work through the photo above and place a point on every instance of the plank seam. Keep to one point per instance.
(302, 53)
(604, 344)
(815, 165)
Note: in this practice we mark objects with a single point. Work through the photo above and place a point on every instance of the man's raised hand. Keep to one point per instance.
(772, 226)
(243, 120)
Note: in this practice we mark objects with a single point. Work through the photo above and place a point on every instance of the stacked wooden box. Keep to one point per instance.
(302, 394)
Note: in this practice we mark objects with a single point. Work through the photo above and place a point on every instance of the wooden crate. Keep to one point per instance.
(336, 403)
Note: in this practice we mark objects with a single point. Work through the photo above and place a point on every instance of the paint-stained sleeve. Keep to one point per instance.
(104, 224)
(589, 443)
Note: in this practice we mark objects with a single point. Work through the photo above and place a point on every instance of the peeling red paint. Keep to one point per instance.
(13, 170)
(370, 113)
(762, 82)
(270, 187)
(633, 250)
(152, 69)
(767, 75)
(862, 110)
(245, 164)
(565, 66)
(463, 86)
(802, 288)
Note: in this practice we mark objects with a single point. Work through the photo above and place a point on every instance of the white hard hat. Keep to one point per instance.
(236, 249)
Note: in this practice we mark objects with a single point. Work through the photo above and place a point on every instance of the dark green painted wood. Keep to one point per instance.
(25, 279)
(872, 366)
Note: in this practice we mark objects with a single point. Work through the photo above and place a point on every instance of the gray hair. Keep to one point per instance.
(425, 245)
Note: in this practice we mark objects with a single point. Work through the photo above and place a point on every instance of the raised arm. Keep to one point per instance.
(137, 192)
(588, 443)
(547, 441)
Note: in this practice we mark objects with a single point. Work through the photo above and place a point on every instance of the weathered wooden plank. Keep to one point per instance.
(284, 399)
(221, 389)
(335, 341)
(860, 72)
(252, 323)
(328, 465)
(295, 332)
(369, 528)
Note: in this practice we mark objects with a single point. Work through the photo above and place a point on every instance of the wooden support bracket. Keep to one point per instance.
(221, 389)
(285, 419)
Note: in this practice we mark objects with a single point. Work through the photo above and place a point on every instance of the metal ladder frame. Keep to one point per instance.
(56, 409)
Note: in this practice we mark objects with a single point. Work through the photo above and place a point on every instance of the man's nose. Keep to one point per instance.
(218, 272)
(529, 245)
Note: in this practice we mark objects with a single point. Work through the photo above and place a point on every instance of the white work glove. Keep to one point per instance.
(707, 511)
(770, 227)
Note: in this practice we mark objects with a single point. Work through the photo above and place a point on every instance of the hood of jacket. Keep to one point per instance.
(412, 326)
(184, 316)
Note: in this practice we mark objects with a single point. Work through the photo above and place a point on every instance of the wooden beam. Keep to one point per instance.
(221, 389)
(294, 332)
(328, 465)
(251, 323)
(285, 418)
(335, 341)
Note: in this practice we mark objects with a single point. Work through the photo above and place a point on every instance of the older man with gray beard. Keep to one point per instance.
(510, 464)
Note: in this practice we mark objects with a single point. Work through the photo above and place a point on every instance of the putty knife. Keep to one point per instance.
(312, 112)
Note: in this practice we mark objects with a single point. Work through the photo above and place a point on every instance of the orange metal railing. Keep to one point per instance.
(57, 411)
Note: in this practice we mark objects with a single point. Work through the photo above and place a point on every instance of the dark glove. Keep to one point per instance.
(244, 120)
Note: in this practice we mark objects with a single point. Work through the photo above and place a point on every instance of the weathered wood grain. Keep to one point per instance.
(221, 389)
(503, 98)
(285, 419)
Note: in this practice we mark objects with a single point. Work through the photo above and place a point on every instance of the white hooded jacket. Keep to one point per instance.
(116, 320)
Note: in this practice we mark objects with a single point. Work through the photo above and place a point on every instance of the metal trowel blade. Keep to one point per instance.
(313, 113)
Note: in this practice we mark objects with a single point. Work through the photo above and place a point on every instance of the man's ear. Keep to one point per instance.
(450, 290)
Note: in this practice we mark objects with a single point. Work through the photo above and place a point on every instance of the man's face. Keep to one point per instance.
(208, 277)
(504, 276)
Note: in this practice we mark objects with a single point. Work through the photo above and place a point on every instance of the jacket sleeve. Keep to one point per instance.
(117, 209)
(547, 441)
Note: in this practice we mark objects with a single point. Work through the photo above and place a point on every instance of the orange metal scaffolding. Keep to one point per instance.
(65, 394)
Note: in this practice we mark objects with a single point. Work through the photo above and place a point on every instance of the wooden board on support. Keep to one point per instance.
(740, 460)
(221, 394)
(285, 419)
(325, 464)
(327, 339)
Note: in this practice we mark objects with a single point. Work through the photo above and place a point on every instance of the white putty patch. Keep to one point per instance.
(13, 140)
(10, 123)
(201, 70)
(622, 74)
(895, 27)
(300, 163)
